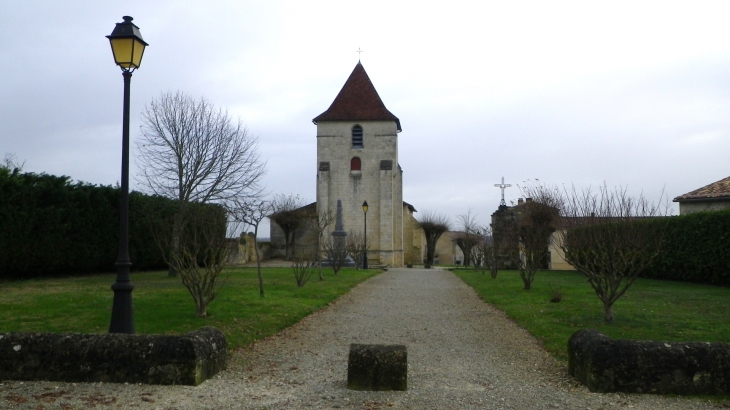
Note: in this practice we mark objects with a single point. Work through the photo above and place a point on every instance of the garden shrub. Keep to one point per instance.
(696, 249)
(52, 226)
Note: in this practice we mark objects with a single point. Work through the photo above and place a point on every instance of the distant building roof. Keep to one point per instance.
(357, 101)
(716, 190)
(411, 207)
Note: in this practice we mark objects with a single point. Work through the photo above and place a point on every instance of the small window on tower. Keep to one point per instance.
(355, 164)
(357, 136)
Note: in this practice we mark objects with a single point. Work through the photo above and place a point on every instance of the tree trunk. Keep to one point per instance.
(527, 281)
(202, 311)
(201, 307)
(430, 250)
(177, 228)
(289, 245)
(258, 261)
(608, 315)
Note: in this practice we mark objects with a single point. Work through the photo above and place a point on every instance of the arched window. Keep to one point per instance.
(355, 164)
(357, 136)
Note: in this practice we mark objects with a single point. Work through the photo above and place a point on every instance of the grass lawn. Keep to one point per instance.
(163, 305)
(650, 309)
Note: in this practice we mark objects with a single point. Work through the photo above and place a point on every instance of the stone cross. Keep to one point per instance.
(358, 53)
(503, 186)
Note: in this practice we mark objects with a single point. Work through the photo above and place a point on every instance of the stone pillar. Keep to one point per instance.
(386, 212)
(377, 367)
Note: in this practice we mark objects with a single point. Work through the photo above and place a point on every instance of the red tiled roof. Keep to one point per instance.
(719, 189)
(357, 100)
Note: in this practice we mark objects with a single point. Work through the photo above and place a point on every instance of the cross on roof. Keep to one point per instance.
(358, 53)
(503, 186)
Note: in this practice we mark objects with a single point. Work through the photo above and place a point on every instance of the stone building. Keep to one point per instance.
(713, 197)
(357, 162)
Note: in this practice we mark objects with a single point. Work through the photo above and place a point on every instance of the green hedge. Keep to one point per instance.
(51, 226)
(696, 249)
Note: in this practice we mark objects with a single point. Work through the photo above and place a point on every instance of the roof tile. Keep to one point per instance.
(357, 100)
(719, 189)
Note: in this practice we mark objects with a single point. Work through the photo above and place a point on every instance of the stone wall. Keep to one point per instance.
(187, 359)
(556, 254)
(690, 207)
(685, 368)
(238, 253)
(414, 241)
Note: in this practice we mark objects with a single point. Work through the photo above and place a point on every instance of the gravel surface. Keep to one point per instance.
(462, 354)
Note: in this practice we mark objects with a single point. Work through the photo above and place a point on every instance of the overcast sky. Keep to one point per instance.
(636, 94)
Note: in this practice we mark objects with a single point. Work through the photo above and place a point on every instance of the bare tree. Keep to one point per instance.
(251, 212)
(202, 254)
(290, 215)
(490, 251)
(482, 253)
(610, 238)
(193, 152)
(355, 247)
(434, 225)
(11, 163)
(323, 220)
(468, 237)
(536, 221)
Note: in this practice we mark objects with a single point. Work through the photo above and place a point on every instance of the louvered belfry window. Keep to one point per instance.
(357, 136)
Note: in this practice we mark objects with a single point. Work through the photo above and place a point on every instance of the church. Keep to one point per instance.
(357, 162)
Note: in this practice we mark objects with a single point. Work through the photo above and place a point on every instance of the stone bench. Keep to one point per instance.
(188, 359)
(377, 367)
(612, 365)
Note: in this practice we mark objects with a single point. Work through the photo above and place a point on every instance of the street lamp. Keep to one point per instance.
(128, 48)
(365, 238)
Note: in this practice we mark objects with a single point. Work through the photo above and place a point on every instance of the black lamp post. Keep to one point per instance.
(128, 47)
(365, 238)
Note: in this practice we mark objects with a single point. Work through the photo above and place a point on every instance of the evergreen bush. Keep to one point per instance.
(696, 249)
(50, 226)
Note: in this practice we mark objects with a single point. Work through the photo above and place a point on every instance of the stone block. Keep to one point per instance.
(377, 367)
(188, 359)
(637, 366)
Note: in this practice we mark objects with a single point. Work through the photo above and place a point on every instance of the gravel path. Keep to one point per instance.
(462, 354)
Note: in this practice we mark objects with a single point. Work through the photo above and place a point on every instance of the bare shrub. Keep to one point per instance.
(556, 294)
(356, 248)
(302, 266)
(336, 253)
(323, 220)
(202, 254)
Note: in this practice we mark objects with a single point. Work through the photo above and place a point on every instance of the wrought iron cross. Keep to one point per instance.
(503, 186)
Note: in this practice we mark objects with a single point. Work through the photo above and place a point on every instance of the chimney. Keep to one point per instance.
(528, 199)
(519, 201)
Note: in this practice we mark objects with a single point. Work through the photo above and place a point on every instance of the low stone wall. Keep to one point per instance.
(188, 359)
(612, 365)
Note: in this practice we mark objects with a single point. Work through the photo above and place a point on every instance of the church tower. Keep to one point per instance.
(357, 161)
